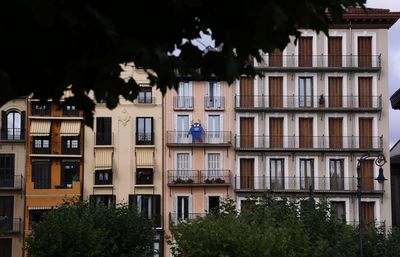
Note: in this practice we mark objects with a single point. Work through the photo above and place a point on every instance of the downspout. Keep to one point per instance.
(23, 193)
(163, 176)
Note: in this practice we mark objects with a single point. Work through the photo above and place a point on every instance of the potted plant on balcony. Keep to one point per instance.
(220, 181)
(189, 181)
(178, 181)
(209, 181)
(321, 101)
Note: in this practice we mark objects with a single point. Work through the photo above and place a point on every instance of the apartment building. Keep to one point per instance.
(123, 153)
(54, 163)
(320, 106)
(12, 174)
(199, 122)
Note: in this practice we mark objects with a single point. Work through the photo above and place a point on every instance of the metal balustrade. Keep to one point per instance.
(10, 226)
(12, 135)
(176, 218)
(199, 177)
(183, 138)
(12, 182)
(214, 102)
(183, 102)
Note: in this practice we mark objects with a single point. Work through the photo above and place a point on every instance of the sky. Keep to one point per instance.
(394, 64)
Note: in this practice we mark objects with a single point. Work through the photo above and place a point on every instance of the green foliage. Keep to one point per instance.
(82, 43)
(81, 229)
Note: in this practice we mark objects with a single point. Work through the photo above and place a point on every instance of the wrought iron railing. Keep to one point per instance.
(183, 102)
(199, 177)
(11, 182)
(176, 218)
(208, 137)
(10, 226)
(214, 102)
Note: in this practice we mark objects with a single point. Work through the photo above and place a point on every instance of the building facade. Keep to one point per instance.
(12, 175)
(320, 106)
(123, 154)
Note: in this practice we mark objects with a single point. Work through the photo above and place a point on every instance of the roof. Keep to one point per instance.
(395, 100)
(395, 153)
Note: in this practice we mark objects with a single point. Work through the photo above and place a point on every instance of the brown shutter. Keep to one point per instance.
(305, 51)
(247, 132)
(335, 133)
(335, 51)
(246, 92)
(367, 175)
(306, 132)
(367, 212)
(365, 92)
(276, 132)
(335, 91)
(275, 58)
(246, 173)
(365, 132)
(275, 92)
(364, 51)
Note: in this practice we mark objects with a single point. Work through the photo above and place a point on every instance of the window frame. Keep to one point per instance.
(145, 141)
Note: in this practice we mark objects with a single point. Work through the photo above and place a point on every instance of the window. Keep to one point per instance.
(305, 92)
(7, 171)
(144, 131)
(364, 45)
(70, 110)
(368, 213)
(41, 175)
(306, 51)
(214, 133)
(213, 204)
(107, 200)
(70, 145)
(6, 213)
(40, 109)
(36, 216)
(365, 92)
(335, 91)
(336, 173)
(103, 177)
(149, 206)
(158, 244)
(335, 51)
(246, 205)
(213, 98)
(41, 145)
(277, 174)
(339, 210)
(69, 174)
(184, 100)
(335, 132)
(5, 247)
(307, 174)
(145, 95)
(144, 176)
(306, 132)
(182, 129)
(182, 205)
(14, 126)
(183, 166)
(103, 131)
(275, 58)
(213, 166)
(246, 173)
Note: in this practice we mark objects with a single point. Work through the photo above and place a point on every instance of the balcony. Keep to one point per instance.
(295, 184)
(10, 226)
(285, 103)
(324, 63)
(309, 144)
(183, 103)
(214, 103)
(209, 138)
(11, 183)
(189, 178)
(13, 135)
(66, 146)
(176, 218)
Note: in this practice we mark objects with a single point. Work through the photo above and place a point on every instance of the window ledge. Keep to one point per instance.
(145, 186)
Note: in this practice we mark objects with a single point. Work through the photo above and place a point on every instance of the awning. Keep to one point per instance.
(145, 157)
(70, 128)
(103, 159)
(40, 207)
(40, 128)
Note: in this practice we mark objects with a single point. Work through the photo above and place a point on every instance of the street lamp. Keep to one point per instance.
(379, 161)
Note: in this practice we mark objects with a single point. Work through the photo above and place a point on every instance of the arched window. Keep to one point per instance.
(14, 125)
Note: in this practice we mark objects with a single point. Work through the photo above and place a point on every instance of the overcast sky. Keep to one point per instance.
(394, 64)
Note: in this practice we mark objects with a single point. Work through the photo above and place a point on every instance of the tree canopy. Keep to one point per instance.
(82, 229)
(48, 45)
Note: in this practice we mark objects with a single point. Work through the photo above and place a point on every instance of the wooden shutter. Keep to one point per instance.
(365, 92)
(246, 132)
(246, 92)
(365, 132)
(306, 132)
(364, 51)
(246, 173)
(367, 212)
(335, 89)
(335, 132)
(276, 132)
(5, 247)
(305, 51)
(3, 131)
(335, 51)
(275, 58)
(275, 92)
(367, 175)
(156, 210)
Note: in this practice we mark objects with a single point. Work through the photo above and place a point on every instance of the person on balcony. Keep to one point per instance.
(196, 130)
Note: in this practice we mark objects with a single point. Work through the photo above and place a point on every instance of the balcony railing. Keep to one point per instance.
(145, 100)
(302, 184)
(214, 102)
(329, 62)
(101, 138)
(183, 138)
(10, 226)
(183, 102)
(145, 138)
(294, 102)
(63, 147)
(199, 177)
(42, 183)
(12, 135)
(309, 143)
(176, 218)
(11, 182)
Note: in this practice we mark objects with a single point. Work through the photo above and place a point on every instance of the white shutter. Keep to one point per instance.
(214, 165)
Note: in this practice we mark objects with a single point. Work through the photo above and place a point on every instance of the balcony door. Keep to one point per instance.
(103, 131)
(306, 132)
(335, 52)
(214, 133)
(336, 173)
(368, 213)
(276, 132)
(277, 174)
(365, 92)
(275, 58)
(339, 209)
(367, 175)
(246, 92)
(213, 165)
(306, 94)
(307, 174)
(185, 99)
(364, 51)
(182, 129)
(182, 207)
(365, 132)
(6, 213)
(335, 91)
(275, 92)
(183, 166)
(305, 51)
(246, 173)
(214, 95)
(246, 132)
(6, 247)
(335, 132)
(7, 171)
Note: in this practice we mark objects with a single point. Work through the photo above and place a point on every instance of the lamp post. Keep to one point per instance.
(379, 161)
